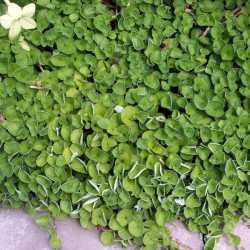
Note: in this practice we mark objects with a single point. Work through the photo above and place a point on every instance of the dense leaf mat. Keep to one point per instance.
(129, 114)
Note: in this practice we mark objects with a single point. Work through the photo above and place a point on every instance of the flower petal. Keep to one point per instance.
(23, 44)
(6, 21)
(14, 10)
(118, 109)
(29, 10)
(27, 23)
(15, 29)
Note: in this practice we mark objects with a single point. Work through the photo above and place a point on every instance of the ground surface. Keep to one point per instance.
(18, 231)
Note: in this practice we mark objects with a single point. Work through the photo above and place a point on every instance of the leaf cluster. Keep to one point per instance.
(128, 116)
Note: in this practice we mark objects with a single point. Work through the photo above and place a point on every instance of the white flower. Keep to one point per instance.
(183, 176)
(17, 18)
(119, 109)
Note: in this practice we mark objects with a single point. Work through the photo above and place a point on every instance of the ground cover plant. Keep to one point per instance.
(127, 114)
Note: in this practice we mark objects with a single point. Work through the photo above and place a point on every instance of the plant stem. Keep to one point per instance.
(108, 4)
(236, 12)
(181, 244)
(40, 67)
(207, 30)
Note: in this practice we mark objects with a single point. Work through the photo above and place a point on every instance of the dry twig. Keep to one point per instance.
(101, 228)
(40, 67)
(110, 4)
(2, 119)
(237, 11)
(188, 8)
(164, 46)
(181, 244)
(207, 30)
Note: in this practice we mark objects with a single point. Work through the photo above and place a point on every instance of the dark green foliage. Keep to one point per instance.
(128, 116)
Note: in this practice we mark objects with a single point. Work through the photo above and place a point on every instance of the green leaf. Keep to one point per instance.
(186, 65)
(124, 234)
(101, 24)
(215, 109)
(234, 240)
(24, 176)
(136, 228)
(136, 171)
(201, 101)
(78, 165)
(142, 143)
(127, 115)
(66, 206)
(12, 148)
(124, 217)
(66, 45)
(170, 177)
(103, 122)
(192, 201)
(228, 193)
(230, 168)
(205, 20)
(108, 143)
(228, 227)
(227, 53)
(71, 186)
(202, 82)
(100, 216)
(246, 142)
(138, 44)
(55, 242)
(150, 239)
(43, 220)
(59, 60)
(113, 223)
(76, 136)
(107, 237)
(230, 144)
(161, 216)
(44, 181)
(3, 9)
(210, 243)
(246, 67)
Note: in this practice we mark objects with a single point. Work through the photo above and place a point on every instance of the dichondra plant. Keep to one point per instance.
(127, 115)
